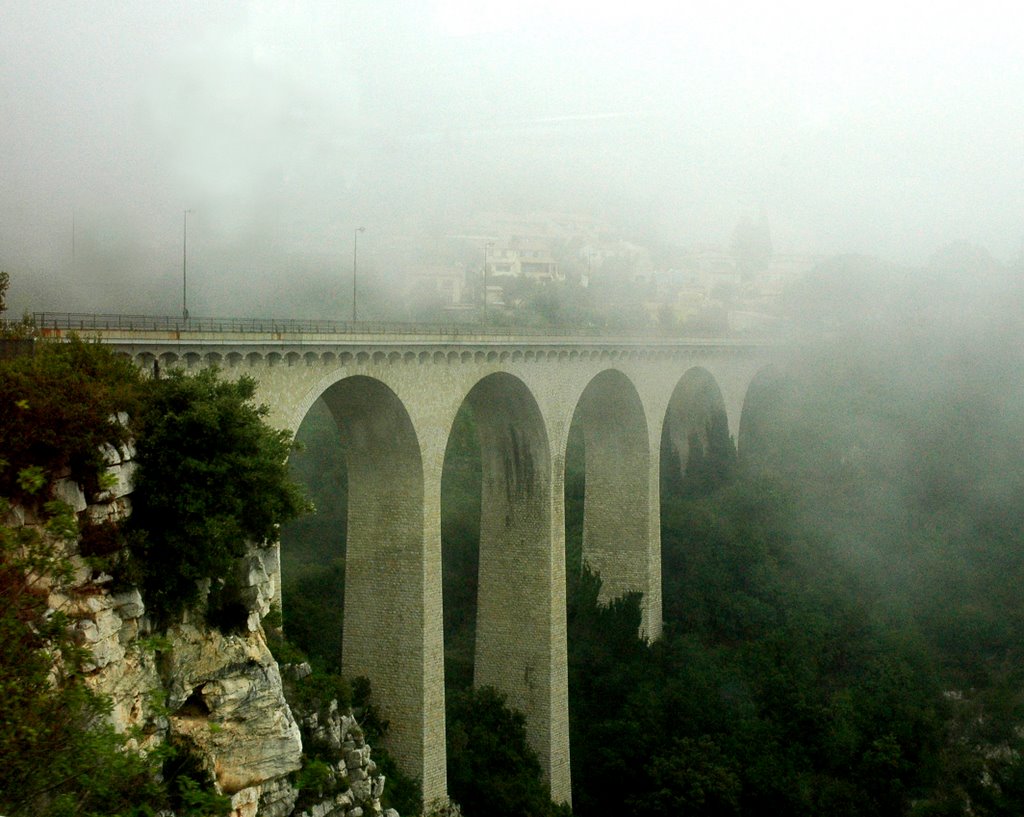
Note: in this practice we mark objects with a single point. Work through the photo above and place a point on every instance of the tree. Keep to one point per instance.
(60, 407)
(60, 756)
(5, 281)
(212, 479)
(491, 769)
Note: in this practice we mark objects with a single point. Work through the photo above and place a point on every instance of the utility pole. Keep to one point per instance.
(487, 246)
(355, 266)
(184, 265)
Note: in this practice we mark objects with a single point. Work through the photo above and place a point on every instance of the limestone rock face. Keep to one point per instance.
(219, 695)
(226, 700)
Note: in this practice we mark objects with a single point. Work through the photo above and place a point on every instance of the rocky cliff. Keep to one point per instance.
(218, 696)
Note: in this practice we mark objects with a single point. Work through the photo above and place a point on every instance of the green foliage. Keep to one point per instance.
(314, 779)
(189, 786)
(313, 545)
(772, 691)
(59, 409)
(318, 689)
(60, 756)
(460, 547)
(491, 769)
(314, 598)
(211, 479)
(689, 776)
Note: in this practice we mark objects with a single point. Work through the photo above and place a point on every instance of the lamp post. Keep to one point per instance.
(487, 246)
(355, 266)
(184, 265)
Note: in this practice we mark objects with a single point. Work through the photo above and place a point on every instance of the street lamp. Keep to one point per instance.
(487, 246)
(184, 265)
(355, 265)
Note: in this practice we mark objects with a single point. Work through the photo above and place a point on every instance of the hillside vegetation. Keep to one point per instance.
(210, 481)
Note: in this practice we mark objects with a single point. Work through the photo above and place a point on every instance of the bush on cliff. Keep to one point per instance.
(59, 407)
(61, 757)
(211, 479)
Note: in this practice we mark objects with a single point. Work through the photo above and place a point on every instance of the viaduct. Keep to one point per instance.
(394, 396)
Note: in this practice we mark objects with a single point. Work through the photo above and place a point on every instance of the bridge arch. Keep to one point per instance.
(764, 401)
(385, 622)
(695, 432)
(618, 497)
(520, 646)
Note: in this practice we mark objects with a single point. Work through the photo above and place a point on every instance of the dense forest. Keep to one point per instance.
(842, 603)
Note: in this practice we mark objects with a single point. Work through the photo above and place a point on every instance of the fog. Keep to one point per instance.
(881, 129)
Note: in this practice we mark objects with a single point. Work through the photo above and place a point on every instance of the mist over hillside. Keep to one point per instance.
(854, 128)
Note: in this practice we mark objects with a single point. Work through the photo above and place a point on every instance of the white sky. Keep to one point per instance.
(882, 128)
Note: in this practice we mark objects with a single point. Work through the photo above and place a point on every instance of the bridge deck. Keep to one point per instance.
(249, 331)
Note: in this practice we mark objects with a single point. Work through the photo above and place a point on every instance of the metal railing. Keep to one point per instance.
(47, 322)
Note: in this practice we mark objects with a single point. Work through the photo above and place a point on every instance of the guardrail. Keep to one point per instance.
(89, 322)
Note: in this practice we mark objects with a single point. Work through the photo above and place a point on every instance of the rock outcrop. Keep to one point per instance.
(219, 696)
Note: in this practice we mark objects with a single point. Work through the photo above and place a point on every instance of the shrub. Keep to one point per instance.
(211, 479)
(59, 408)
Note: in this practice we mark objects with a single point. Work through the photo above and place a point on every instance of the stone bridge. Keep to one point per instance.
(394, 398)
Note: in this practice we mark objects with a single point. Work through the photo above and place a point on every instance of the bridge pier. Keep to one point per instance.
(520, 640)
(619, 496)
(392, 618)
